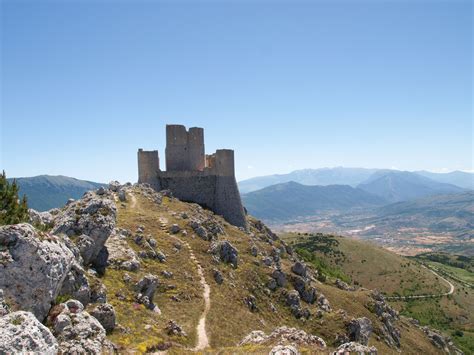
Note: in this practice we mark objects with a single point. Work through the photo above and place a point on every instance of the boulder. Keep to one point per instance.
(40, 218)
(114, 186)
(359, 330)
(284, 350)
(299, 268)
(226, 252)
(174, 229)
(105, 314)
(284, 336)
(21, 332)
(344, 286)
(218, 276)
(146, 288)
(279, 277)
(355, 348)
(323, 303)
(122, 195)
(92, 218)
(33, 267)
(121, 256)
(251, 303)
(293, 298)
(173, 328)
(78, 332)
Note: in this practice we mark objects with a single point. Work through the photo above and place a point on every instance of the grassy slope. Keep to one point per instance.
(376, 268)
(229, 318)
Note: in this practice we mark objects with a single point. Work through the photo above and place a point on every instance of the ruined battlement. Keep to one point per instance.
(194, 176)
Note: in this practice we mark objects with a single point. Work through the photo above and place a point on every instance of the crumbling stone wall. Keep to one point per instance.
(192, 176)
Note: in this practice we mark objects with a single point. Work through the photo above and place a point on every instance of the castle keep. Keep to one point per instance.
(194, 176)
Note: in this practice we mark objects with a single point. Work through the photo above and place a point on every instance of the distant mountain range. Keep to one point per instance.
(45, 192)
(396, 186)
(347, 176)
(291, 200)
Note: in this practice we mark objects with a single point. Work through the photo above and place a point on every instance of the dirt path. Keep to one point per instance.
(202, 338)
(450, 292)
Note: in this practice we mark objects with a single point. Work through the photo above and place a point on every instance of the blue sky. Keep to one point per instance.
(286, 84)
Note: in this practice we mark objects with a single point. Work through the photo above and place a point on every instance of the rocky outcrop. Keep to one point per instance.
(77, 331)
(21, 332)
(388, 316)
(40, 218)
(284, 336)
(344, 286)
(33, 267)
(121, 256)
(284, 350)
(359, 330)
(355, 348)
(105, 314)
(225, 251)
(299, 268)
(91, 220)
(441, 342)
(76, 284)
(146, 288)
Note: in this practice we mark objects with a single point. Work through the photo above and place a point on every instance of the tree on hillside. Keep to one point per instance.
(12, 209)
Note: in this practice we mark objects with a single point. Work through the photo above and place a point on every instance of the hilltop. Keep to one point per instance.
(45, 192)
(156, 273)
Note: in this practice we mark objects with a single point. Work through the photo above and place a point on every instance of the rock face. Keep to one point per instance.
(40, 218)
(77, 331)
(225, 251)
(355, 348)
(21, 332)
(121, 256)
(76, 284)
(33, 267)
(92, 218)
(284, 336)
(388, 316)
(4, 309)
(359, 330)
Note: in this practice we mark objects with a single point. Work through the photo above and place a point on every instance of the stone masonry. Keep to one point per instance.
(194, 176)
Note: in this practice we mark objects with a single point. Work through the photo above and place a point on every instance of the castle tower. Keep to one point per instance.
(148, 166)
(184, 150)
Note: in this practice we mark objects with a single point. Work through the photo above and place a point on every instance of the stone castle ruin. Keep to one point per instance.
(194, 176)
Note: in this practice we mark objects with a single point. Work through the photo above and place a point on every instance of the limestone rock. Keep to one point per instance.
(4, 308)
(114, 186)
(284, 336)
(93, 218)
(173, 328)
(359, 330)
(344, 286)
(40, 218)
(293, 298)
(122, 195)
(299, 268)
(78, 332)
(33, 267)
(251, 303)
(323, 303)
(225, 251)
(355, 348)
(174, 229)
(105, 314)
(21, 332)
(284, 350)
(279, 277)
(146, 288)
(218, 276)
(121, 256)
(76, 284)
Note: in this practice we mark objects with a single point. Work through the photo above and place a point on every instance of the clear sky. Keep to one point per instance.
(286, 84)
